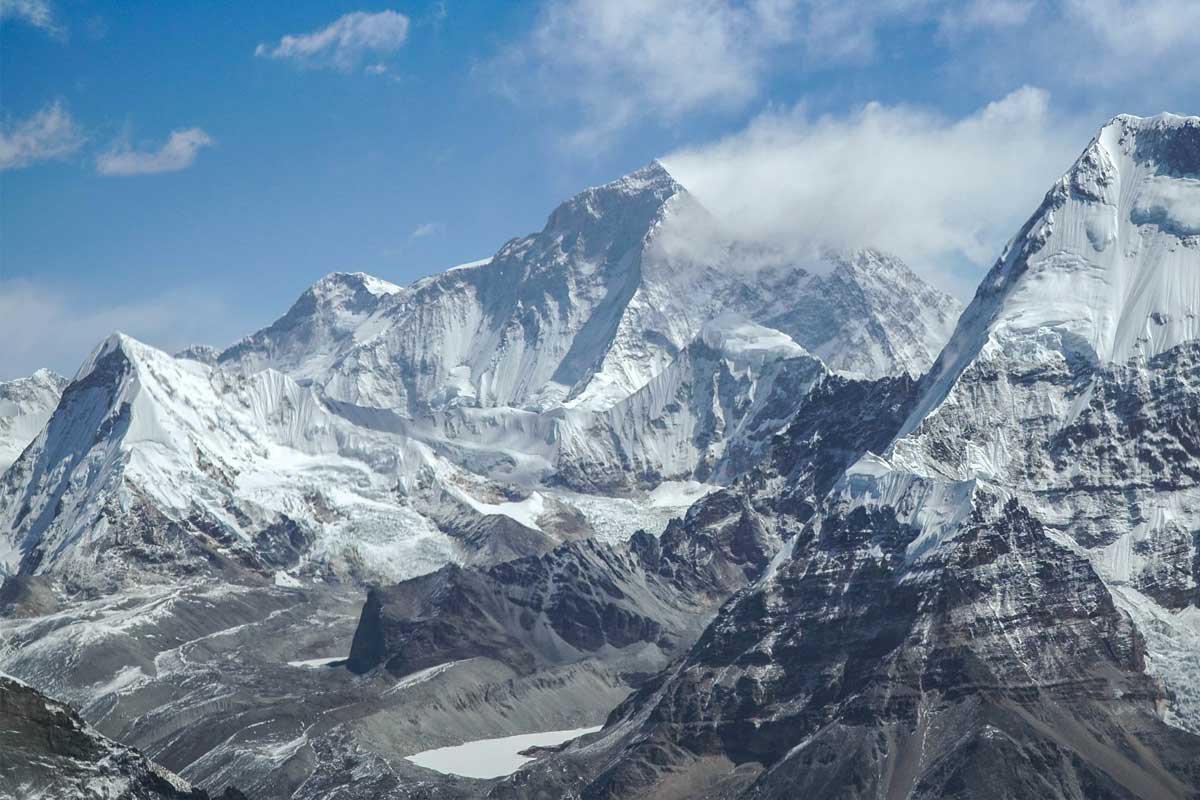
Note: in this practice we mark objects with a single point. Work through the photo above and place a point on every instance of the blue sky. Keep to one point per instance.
(182, 171)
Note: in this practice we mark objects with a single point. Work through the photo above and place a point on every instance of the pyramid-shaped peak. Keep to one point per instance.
(652, 177)
(636, 199)
(116, 343)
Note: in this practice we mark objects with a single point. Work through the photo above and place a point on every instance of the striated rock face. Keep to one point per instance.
(47, 751)
(709, 416)
(999, 667)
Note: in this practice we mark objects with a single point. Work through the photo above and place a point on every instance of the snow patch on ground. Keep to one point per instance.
(679, 494)
(285, 580)
(524, 511)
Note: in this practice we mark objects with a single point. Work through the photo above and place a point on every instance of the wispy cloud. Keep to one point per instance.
(178, 152)
(938, 191)
(424, 230)
(48, 134)
(985, 14)
(614, 64)
(32, 12)
(343, 44)
(620, 60)
(1151, 26)
(624, 61)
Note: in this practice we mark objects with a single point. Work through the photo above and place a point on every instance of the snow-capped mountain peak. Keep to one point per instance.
(1105, 270)
(568, 356)
(1070, 386)
(25, 406)
(636, 197)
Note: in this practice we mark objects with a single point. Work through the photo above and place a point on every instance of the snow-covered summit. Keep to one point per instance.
(587, 311)
(25, 406)
(634, 199)
(1108, 268)
(1070, 386)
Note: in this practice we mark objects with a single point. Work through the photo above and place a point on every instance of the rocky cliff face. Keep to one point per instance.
(997, 668)
(47, 751)
(634, 605)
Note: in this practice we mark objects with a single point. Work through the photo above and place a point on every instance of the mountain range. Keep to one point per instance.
(785, 527)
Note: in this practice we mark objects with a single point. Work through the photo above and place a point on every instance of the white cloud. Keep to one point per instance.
(33, 12)
(424, 230)
(46, 327)
(622, 61)
(933, 190)
(1138, 27)
(48, 134)
(613, 64)
(986, 14)
(1121, 55)
(1169, 200)
(178, 152)
(344, 43)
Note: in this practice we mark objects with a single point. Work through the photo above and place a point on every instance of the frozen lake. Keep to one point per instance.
(491, 758)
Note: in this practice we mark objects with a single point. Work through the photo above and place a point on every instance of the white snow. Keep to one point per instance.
(1175, 200)
(492, 758)
(285, 580)
(317, 663)
(25, 406)
(746, 341)
(524, 511)
(679, 494)
(361, 410)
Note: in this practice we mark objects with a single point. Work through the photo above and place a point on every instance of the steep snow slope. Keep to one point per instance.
(526, 327)
(1073, 380)
(1104, 272)
(25, 406)
(153, 464)
(706, 417)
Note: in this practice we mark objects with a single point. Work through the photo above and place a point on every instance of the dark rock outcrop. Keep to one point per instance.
(46, 750)
(582, 598)
(998, 668)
